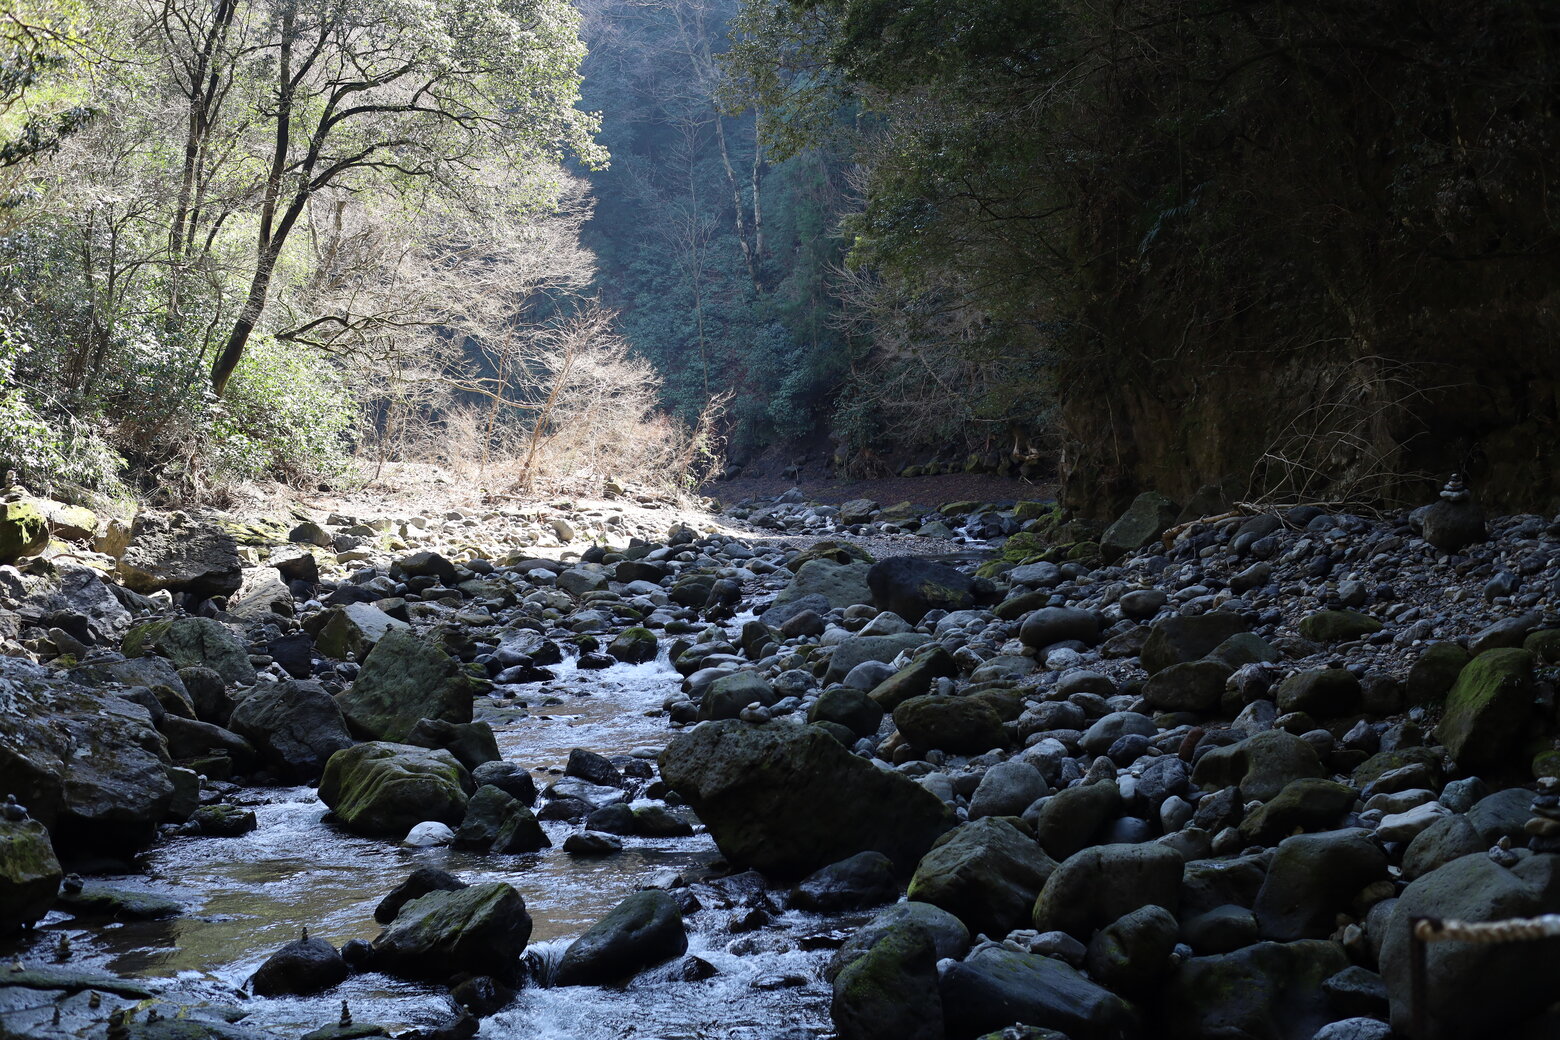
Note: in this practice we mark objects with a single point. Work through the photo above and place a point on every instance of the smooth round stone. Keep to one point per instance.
(430, 834)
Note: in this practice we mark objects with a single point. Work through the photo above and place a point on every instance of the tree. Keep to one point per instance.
(383, 93)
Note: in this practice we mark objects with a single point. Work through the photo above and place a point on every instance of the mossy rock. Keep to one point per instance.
(1489, 709)
(29, 873)
(1335, 626)
(23, 531)
(1435, 673)
(959, 508)
(834, 552)
(1031, 510)
(380, 789)
(1083, 551)
(1544, 645)
(634, 645)
(1546, 763)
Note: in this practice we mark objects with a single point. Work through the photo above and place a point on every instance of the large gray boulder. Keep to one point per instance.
(405, 679)
(1262, 765)
(838, 584)
(1311, 878)
(960, 725)
(88, 764)
(853, 651)
(790, 799)
(1189, 637)
(1476, 989)
(986, 873)
(295, 727)
(180, 554)
(640, 932)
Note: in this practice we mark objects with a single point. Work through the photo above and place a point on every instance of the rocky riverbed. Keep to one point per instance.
(880, 772)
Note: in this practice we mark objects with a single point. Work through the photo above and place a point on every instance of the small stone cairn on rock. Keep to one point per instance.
(1456, 521)
(1544, 827)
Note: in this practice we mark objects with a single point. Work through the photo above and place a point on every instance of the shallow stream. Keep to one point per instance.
(245, 897)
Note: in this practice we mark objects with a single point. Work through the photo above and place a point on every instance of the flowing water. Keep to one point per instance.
(245, 897)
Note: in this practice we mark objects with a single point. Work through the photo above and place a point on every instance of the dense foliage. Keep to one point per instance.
(1303, 248)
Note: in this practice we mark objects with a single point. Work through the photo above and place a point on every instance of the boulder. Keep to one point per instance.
(948, 934)
(498, 823)
(961, 725)
(472, 743)
(1322, 693)
(851, 708)
(1489, 709)
(728, 695)
(1270, 991)
(1181, 638)
(1007, 789)
(1188, 686)
(480, 929)
(853, 651)
(417, 884)
(864, 880)
(1131, 954)
(634, 645)
(640, 932)
(835, 584)
(1448, 838)
(1050, 625)
(1435, 673)
(1262, 765)
(194, 642)
(1148, 517)
(1510, 981)
(1094, 887)
(403, 680)
(1069, 820)
(23, 531)
(910, 586)
(29, 873)
(180, 554)
(789, 799)
(507, 777)
(1311, 878)
(914, 679)
(353, 628)
(889, 991)
(997, 987)
(987, 873)
(1336, 626)
(382, 789)
(1307, 804)
(294, 726)
(89, 765)
(302, 967)
(424, 565)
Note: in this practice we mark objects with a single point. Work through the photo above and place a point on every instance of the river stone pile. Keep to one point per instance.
(1214, 779)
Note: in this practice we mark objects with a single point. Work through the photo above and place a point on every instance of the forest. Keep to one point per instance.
(1275, 252)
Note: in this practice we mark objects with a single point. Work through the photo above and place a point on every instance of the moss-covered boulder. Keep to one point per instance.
(382, 789)
(404, 679)
(1182, 638)
(1322, 693)
(1489, 710)
(634, 645)
(1148, 517)
(23, 531)
(1094, 887)
(841, 584)
(29, 873)
(194, 642)
(481, 929)
(833, 552)
(890, 991)
(1270, 990)
(914, 679)
(640, 932)
(961, 725)
(1335, 626)
(790, 799)
(1262, 765)
(987, 873)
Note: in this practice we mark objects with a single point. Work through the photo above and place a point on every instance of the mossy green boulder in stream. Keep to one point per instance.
(383, 789)
(790, 799)
(29, 873)
(404, 679)
(481, 929)
(23, 531)
(890, 991)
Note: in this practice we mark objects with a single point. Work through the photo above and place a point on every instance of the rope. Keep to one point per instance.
(1517, 929)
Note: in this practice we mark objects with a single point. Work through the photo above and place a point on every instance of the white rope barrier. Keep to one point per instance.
(1517, 929)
